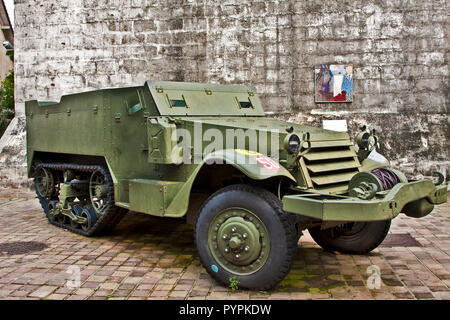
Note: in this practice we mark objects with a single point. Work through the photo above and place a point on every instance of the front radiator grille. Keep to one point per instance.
(330, 165)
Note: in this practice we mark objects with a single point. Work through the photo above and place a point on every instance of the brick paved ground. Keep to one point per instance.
(152, 258)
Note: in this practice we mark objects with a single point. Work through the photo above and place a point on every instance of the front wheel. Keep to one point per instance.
(241, 231)
(352, 237)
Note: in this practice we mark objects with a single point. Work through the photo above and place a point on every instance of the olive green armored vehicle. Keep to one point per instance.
(206, 153)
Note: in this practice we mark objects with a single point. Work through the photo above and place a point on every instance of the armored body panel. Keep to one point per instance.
(132, 129)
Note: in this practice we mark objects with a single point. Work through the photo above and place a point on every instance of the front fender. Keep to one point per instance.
(254, 165)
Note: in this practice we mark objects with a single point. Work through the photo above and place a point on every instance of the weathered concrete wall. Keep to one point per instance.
(399, 50)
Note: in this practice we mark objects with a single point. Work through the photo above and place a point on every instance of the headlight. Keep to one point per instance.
(367, 140)
(292, 143)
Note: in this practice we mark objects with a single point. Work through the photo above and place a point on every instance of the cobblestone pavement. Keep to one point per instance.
(154, 258)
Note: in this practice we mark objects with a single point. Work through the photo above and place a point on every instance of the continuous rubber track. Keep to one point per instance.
(106, 221)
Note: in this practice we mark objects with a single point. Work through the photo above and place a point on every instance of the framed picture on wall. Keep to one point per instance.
(333, 83)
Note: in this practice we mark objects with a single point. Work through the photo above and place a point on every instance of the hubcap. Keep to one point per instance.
(239, 241)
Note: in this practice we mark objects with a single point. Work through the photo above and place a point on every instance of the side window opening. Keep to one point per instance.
(175, 101)
(244, 104)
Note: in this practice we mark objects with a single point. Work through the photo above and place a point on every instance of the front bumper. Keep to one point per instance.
(416, 199)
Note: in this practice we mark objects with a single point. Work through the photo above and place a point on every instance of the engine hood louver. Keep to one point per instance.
(330, 165)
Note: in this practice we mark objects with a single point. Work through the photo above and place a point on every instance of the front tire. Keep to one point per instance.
(241, 231)
(353, 237)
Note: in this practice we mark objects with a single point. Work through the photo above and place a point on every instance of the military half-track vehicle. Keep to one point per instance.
(206, 153)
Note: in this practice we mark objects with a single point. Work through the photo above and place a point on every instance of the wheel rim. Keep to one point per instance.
(85, 226)
(98, 192)
(90, 218)
(239, 241)
(44, 182)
